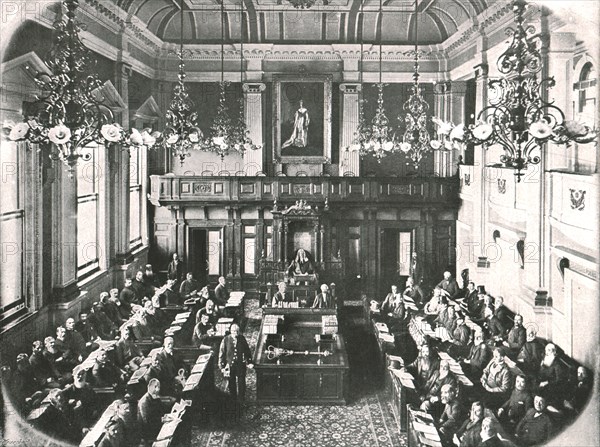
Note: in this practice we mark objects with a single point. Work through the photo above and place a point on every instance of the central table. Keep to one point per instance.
(300, 378)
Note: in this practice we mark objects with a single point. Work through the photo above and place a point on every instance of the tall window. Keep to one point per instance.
(12, 226)
(136, 198)
(89, 173)
(585, 110)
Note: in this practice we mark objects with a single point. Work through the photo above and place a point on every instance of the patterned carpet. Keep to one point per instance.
(366, 421)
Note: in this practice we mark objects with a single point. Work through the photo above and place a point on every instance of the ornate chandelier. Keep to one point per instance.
(519, 118)
(378, 138)
(226, 134)
(416, 141)
(181, 133)
(70, 112)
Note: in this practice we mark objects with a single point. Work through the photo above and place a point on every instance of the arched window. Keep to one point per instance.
(583, 156)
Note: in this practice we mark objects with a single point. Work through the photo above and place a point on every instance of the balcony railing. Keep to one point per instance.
(171, 190)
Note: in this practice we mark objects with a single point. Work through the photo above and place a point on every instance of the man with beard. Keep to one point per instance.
(203, 332)
(43, 370)
(189, 287)
(496, 380)
(450, 285)
(221, 293)
(501, 312)
(99, 325)
(517, 336)
(536, 427)
(460, 337)
(170, 364)
(235, 356)
(105, 373)
(414, 292)
(424, 366)
(110, 309)
(55, 357)
(82, 397)
(518, 404)
(469, 434)
(70, 357)
(531, 354)
(579, 393)
(492, 324)
(430, 400)
(551, 376)
(208, 309)
(479, 356)
(453, 414)
(141, 288)
(124, 309)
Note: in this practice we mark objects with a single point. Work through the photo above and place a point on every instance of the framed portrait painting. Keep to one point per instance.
(302, 118)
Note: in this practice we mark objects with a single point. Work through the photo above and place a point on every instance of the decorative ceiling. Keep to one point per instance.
(328, 21)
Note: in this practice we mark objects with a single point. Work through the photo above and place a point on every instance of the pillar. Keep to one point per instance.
(349, 159)
(253, 115)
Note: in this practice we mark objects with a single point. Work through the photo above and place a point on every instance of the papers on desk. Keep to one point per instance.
(203, 358)
(137, 375)
(442, 334)
(192, 382)
(426, 428)
(388, 338)
(199, 368)
(181, 318)
(382, 327)
(172, 330)
(168, 430)
(427, 441)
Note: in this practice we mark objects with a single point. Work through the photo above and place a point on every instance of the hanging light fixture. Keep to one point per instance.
(181, 133)
(226, 134)
(416, 141)
(70, 113)
(519, 118)
(376, 139)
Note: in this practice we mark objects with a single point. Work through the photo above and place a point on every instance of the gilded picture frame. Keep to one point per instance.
(302, 130)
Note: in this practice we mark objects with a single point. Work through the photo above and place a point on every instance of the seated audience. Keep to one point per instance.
(551, 378)
(324, 300)
(496, 380)
(424, 367)
(536, 427)
(82, 397)
(392, 305)
(128, 295)
(23, 383)
(105, 373)
(175, 269)
(469, 434)
(453, 415)
(150, 412)
(579, 392)
(58, 419)
(208, 309)
(531, 354)
(127, 354)
(517, 336)
(479, 355)
(203, 332)
(189, 287)
(518, 404)
(221, 293)
(450, 285)
(414, 292)
(431, 393)
(281, 296)
(43, 370)
(110, 309)
(489, 434)
(70, 357)
(113, 435)
(74, 340)
(501, 312)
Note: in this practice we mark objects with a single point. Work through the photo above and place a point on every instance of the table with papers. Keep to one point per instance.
(403, 392)
(169, 432)
(421, 430)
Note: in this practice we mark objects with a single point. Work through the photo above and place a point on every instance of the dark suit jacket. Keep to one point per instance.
(150, 413)
(128, 296)
(170, 363)
(531, 355)
(279, 298)
(187, 287)
(235, 355)
(450, 286)
(125, 350)
(495, 328)
(518, 404)
(470, 433)
(494, 441)
(453, 415)
(416, 294)
(105, 375)
(516, 337)
(462, 334)
(175, 270)
(421, 374)
(502, 314)
(221, 295)
(480, 356)
(532, 430)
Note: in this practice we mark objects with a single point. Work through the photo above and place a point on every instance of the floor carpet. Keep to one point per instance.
(366, 421)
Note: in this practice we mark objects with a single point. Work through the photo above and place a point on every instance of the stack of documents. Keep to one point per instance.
(223, 326)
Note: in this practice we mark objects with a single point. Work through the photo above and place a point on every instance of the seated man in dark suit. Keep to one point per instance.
(578, 393)
(189, 287)
(110, 309)
(127, 355)
(489, 434)
(58, 420)
(531, 354)
(324, 300)
(70, 357)
(461, 335)
(453, 415)
(450, 285)
(221, 293)
(128, 295)
(502, 313)
(536, 427)
(150, 412)
(126, 415)
(518, 404)
(203, 332)
(494, 329)
(393, 305)
(43, 370)
(175, 269)
(496, 380)
(105, 373)
(479, 356)
(99, 325)
(142, 289)
(469, 434)
(82, 397)
(23, 382)
(208, 309)
(113, 436)
(281, 296)
(551, 376)
(516, 336)
(424, 367)
(432, 390)
(74, 340)
(171, 364)
(414, 292)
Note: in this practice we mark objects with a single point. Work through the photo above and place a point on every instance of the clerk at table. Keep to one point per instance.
(324, 299)
(281, 296)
